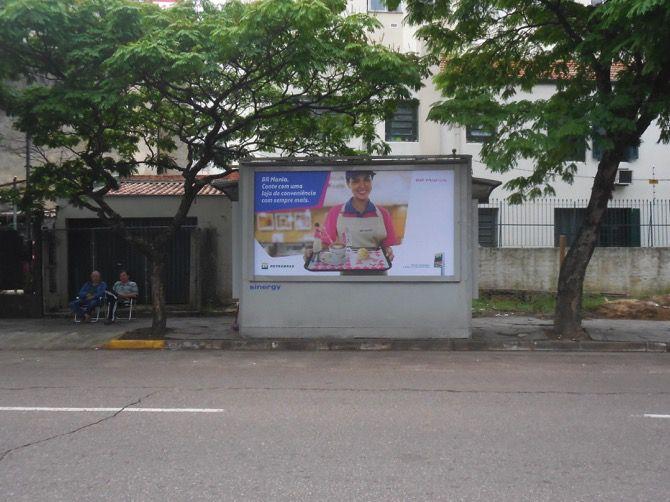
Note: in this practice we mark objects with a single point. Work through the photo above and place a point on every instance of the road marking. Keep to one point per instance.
(114, 410)
(654, 415)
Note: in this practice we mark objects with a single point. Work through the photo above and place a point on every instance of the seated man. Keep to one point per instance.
(123, 291)
(90, 296)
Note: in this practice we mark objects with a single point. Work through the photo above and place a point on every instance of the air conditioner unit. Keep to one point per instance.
(624, 177)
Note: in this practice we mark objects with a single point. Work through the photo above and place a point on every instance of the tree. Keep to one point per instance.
(217, 83)
(611, 66)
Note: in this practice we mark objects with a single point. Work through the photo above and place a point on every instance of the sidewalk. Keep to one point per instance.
(64, 334)
(489, 333)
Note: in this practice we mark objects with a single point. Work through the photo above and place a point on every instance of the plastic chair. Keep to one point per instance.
(123, 304)
(119, 303)
(103, 304)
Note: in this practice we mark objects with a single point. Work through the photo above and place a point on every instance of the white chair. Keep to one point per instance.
(102, 305)
(122, 304)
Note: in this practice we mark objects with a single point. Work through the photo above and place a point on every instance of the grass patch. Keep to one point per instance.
(649, 296)
(524, 303)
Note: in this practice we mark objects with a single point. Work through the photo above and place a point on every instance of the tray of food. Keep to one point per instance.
(341, 259)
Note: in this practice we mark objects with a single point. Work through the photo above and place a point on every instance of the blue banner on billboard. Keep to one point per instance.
(282, 191)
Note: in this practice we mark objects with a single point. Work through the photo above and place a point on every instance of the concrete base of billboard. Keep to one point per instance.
(360, 309)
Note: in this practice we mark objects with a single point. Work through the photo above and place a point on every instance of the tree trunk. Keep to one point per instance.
(568, 314)
(159, 315)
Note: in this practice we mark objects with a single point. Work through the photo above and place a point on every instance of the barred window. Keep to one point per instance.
(404, 125)
(620, 226)
(488, 227)
(631, 153)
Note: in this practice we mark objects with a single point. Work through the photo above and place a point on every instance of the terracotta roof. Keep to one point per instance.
(161, 186)
(615, 69)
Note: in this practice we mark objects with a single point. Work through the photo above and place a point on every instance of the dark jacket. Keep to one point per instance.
(88, 291)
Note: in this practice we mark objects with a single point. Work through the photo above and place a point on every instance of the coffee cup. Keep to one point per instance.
(338, 253)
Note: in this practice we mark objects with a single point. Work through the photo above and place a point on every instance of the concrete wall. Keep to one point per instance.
(212, 212)
(631, 271)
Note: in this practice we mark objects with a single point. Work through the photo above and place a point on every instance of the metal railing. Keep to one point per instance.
(539, 223)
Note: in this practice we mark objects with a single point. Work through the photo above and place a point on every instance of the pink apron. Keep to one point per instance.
(358, 232)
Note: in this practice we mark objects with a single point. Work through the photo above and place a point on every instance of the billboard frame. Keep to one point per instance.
(461, 198)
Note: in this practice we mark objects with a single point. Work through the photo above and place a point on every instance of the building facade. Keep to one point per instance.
(640, 206)
(198, 269)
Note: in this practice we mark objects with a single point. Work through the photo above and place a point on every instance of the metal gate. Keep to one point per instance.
(92, 246)
(13, 253)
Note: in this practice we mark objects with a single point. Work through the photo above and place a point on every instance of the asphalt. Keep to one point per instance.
(379, 426)
(502, 332)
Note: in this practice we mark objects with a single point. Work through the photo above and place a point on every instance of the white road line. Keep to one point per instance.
(654, 415)
(114, 410)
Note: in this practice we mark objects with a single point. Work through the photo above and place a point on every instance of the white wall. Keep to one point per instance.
(12, 151)
(652, 157)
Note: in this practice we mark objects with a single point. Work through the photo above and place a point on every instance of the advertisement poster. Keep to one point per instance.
(359, 222)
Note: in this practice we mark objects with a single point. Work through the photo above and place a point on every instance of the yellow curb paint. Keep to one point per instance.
(134, 344)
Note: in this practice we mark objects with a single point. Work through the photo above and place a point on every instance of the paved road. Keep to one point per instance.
(334, 426)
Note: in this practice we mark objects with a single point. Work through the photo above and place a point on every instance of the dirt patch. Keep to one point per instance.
(663, 300)
(542, 305)
(656, 308)
(144, 334)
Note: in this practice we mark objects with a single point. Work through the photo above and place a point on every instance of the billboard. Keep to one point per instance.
(358, 222)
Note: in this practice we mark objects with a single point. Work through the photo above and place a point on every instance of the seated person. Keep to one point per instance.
(123, 291)
(90, 296)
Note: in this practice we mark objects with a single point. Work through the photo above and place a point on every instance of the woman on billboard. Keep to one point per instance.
(358, 223)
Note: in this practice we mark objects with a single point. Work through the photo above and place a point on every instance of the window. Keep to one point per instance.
(632, 152)
(577, 152)
(574, 147)
(477, 134)
(488, 227)
(404, 125)
(620, 226)
(380, 6)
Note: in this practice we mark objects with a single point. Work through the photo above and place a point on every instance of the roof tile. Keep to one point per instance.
(161, 186)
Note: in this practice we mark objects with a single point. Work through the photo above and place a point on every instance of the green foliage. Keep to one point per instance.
(58, 88)
(294, 77)
(610, 64)
(106, 86)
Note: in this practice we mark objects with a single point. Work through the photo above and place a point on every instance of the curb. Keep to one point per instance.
(117, 344)
(378, 344)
